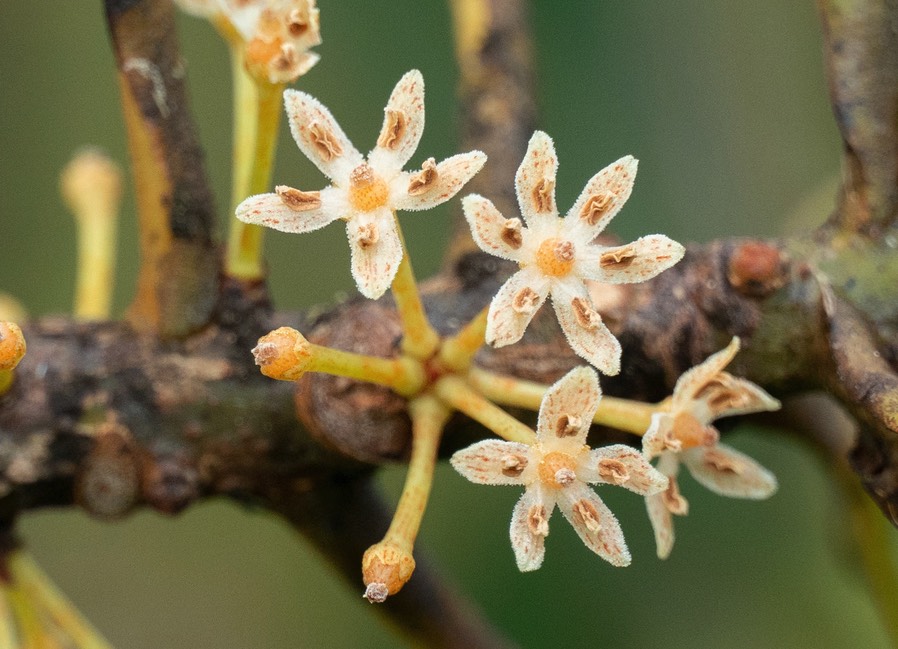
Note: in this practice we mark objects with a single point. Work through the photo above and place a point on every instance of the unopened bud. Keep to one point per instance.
(386, 568)
(91, 185)
(283, 354)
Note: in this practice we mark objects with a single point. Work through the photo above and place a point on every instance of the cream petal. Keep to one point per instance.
(403, 124)
(727, 472)
(594, 523)
(566, 411)
(582, 325)
(535, 180)
(494, 462)
(603, 197)
(662, 524)
(530, 526)
(514, 306)
(491, 231)
(654, 439)
(726, 396)
(319, 136)
(623, 466)
(630, 264)
(694, 380)
(271, 211)
(451, 175)
(374, 264)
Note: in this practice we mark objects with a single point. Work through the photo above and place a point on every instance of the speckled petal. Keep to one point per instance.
(588, 337)
(603, 197)
(662, 524)
(653, 441)
(594, 523)
(630, 264)
(623, 466)
(319, 136)
(530, 526)
(727, 472)
(269, 210)
(535, 180)
(452, 174)
(566, 411)
(491, 231)
(494, 462)
(403, 124)
(374, 265)
(507, 320)
(693, 381)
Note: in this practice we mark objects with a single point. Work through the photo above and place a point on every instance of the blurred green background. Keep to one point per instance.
(725, 106)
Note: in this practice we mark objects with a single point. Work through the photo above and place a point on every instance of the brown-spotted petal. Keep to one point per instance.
(662, 524)
(535, 180)
(403, 124)
(566, 411)
(727, 472)
(514, 306)
(654, 441)
(319, 136)
(603, 197)
(494, 462)
(632, 263)
(376, 251)
(415, 191)
(694, 380)
(594, 523)
(623, 466)
(726, 396)
(310, 211)
(491, 231)
(582, 325)
(530, 526)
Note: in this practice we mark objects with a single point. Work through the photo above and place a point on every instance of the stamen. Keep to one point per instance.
(618, 257)
(568, 425)
(298, 201)
(596, 207)
(325, 141)
(537, 520)
(525, 301)
(613, 471)
(512, 233)
(588, 515)
(367, 235)
(723, 463)
(586, 316)
(674, 502)
(543, 195)
(513, 465)
(425, 180)
(395, 123)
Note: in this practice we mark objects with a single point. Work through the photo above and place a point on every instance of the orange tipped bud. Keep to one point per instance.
(283, 354)
(12, 345)
(386, 568)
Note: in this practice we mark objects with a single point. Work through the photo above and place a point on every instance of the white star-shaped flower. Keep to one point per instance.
(277, 34)
(365, 192)
(683, 434)
(557, 254)
(556, 470)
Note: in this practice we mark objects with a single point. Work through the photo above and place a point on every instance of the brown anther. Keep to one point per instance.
(568, 425)
(385, 567)
(298, 201)
(286, 59)
(613, 471)
(512, 233)
(756, 269)
(513, 465)
(395, 123)
(556, 464)
(12, 345)
(543, 195)
(425, 180)
(690, 432)
(586, 512)
(721, 462)
(586, 316)
(618, 257)
(721, 394)
(672, 499)
(596, 207)
(297, 23)
(325, 141)
(538, 521)
(283, 354)
(525, 301)
(367, 235)
(555, 257)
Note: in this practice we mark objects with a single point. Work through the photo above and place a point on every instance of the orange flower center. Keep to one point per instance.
(555, 257)
(367, 191)
(557, 470)
(690, 432)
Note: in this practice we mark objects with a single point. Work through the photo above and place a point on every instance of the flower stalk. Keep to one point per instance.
(419, 339)
(456, 393)
(458, 351)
